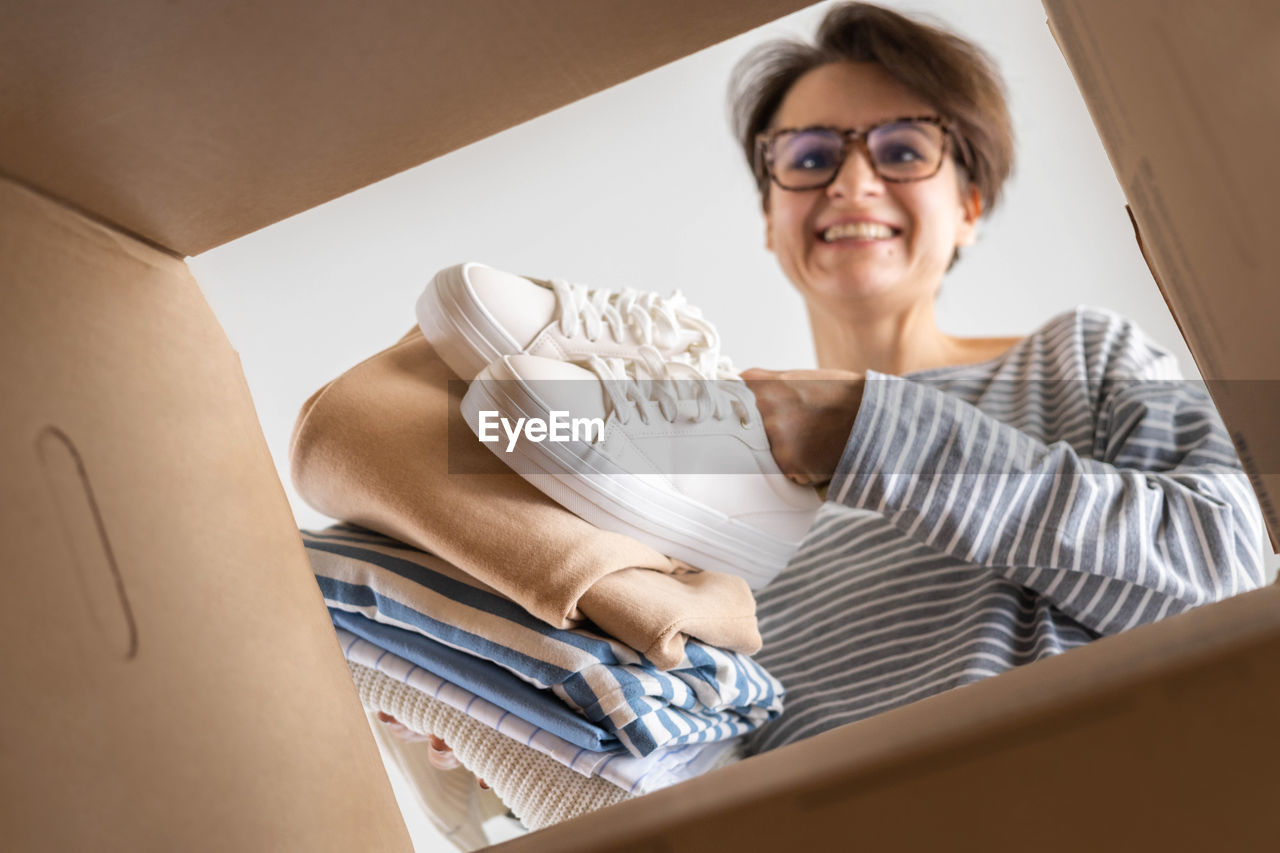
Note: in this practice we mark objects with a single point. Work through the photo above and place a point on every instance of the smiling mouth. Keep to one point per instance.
(858, 231)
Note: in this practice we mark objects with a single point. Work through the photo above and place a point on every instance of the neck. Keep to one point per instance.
(897, 342)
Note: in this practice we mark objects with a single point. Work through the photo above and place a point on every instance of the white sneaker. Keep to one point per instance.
(472, 314)
(682, 462)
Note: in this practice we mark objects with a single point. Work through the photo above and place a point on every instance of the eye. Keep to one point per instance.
(898, 152)
(808, 151)
(907, 149)
(814, 159)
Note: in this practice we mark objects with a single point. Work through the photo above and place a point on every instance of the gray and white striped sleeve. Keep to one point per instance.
(1158, 519)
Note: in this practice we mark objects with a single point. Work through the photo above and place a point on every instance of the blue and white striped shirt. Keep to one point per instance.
(985, 516)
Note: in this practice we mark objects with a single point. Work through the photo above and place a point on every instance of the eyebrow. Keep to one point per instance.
(933, 119)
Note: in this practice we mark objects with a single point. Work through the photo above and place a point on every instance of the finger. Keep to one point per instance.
(440, 756)
(483, 784)
(404, 733)
(443, 760)
(759, 380)
(399, 729)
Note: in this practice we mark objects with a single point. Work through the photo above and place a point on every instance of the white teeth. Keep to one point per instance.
(857, 231)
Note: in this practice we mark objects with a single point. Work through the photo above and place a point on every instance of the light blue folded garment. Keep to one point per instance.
(484, 679)
(659, 769)
(711, 694)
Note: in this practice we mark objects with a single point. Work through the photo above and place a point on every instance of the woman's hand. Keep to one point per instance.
(808, 415)
(439, 755)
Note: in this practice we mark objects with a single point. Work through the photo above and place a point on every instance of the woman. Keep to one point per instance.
(991, 501)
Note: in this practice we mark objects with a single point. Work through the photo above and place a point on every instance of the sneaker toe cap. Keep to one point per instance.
(522, 307)
(560, 385)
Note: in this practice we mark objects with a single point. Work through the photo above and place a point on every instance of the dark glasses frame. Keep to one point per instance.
(858, 137)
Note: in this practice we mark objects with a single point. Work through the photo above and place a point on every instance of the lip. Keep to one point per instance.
(849, 220)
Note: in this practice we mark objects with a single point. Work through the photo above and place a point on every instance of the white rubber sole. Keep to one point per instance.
(465, 335)
(579, 478)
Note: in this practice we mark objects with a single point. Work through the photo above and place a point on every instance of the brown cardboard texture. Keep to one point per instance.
(1162, 738)
(173, 681)
(1183, 97)
(193, 124)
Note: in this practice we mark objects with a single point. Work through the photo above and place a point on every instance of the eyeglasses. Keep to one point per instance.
(809, 158)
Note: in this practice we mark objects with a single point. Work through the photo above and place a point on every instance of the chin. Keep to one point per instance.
(847, 288)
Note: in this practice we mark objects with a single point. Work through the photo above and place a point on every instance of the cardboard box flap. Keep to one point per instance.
(1192, 138)
(1158, 738)
(193, 124)
(172, 679)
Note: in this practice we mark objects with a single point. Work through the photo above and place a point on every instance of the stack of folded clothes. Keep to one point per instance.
(567, 665)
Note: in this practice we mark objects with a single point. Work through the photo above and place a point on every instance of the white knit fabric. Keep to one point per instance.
(539, 790)
(455, 804)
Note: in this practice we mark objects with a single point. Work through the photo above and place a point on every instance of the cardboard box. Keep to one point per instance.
(1181, 96)
(152, 555)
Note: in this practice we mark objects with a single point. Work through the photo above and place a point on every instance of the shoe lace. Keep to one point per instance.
(650, 319)
(635, 385)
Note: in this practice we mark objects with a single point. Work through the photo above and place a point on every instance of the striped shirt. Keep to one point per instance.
(990, 515)
(580, 685)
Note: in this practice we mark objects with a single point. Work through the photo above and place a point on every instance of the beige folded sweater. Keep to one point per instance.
(384, 446)
(539, 790)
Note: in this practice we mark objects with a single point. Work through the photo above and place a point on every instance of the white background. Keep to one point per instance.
(643, 185)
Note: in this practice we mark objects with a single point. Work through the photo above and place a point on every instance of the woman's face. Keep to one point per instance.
(928, 219)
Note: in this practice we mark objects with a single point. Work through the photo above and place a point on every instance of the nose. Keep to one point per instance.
(856, 178)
